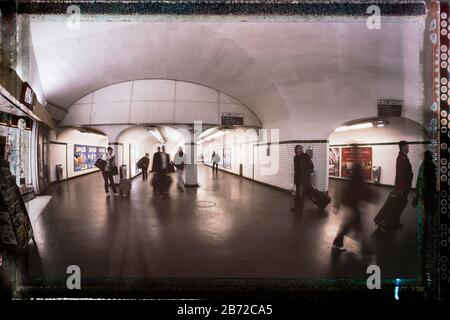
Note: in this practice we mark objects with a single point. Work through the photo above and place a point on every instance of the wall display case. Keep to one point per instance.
(15, 225)
(15, 146)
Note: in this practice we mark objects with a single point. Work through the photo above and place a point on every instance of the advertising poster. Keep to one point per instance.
(361, 154)
(226, 161)
(334, 156)
(91, 157)
(84, 157)
(79, 158)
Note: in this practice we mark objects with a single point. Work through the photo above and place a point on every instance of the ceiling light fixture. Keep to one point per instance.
(156, 134)
(211, 137)
(355, 127)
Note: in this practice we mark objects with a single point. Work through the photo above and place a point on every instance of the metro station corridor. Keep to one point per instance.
(230, 227)
(289, 102)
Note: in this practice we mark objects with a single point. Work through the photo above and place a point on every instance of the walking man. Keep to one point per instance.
(403, 178)
(215, 159)
(143, 164)
(303, 167)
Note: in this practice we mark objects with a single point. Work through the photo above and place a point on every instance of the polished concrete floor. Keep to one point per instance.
(230, 227)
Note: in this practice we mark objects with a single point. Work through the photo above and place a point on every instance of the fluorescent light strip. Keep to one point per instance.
(157, 135)
(355, 127)
(211, 137)
(361, 126)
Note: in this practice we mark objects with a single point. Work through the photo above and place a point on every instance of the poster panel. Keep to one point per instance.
(84, 157)
(226, 161)
(361, 154)
(79, 158)
(91, 157)
(334, 157)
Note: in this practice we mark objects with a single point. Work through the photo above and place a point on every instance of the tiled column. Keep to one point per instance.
(190, 170)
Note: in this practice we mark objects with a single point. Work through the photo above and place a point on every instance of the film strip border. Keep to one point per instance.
(442, 58)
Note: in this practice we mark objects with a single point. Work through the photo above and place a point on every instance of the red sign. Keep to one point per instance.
(361, 154)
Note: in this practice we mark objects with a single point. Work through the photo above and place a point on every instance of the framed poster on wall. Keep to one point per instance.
(79, 158)
(91, 157)
(84, 157)
(361, 154)
(334, 157)
(226, 161)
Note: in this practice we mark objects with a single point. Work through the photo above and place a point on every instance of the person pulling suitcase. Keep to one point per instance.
(388, 219)
(354, 193)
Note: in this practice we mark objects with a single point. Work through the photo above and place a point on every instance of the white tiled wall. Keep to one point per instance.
(241, 151)
(256, 162)
(283, 177)
(57, 156)
(275, 169)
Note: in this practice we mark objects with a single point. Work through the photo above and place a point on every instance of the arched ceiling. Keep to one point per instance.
(289, 74)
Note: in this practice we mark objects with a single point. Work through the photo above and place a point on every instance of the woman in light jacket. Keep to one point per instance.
(108, 172)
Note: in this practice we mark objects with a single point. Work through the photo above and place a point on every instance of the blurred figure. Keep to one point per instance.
(143, 164)
(353, 193)
(215, 159)
(303, 167)
(179, 160)
(165, 160)
(160, 167)
(109, 171)
(426, 184)
(426, 199)
(156, 170)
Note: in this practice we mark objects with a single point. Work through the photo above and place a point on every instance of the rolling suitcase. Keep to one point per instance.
(125, 187)
(319, 198)
(390, 212)
(166, 182)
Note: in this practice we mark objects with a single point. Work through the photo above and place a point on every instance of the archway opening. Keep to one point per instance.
(135, 142)
(376, 140)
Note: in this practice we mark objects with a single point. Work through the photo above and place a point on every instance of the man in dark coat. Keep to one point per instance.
(143, 164)
(160, 168)
(303, 167)
(156, 168)
(403, 176)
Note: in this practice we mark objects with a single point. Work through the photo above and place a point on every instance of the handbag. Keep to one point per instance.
(139, 164)
(100, 163)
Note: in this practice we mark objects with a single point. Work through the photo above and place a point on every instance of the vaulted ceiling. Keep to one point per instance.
(295, 72)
